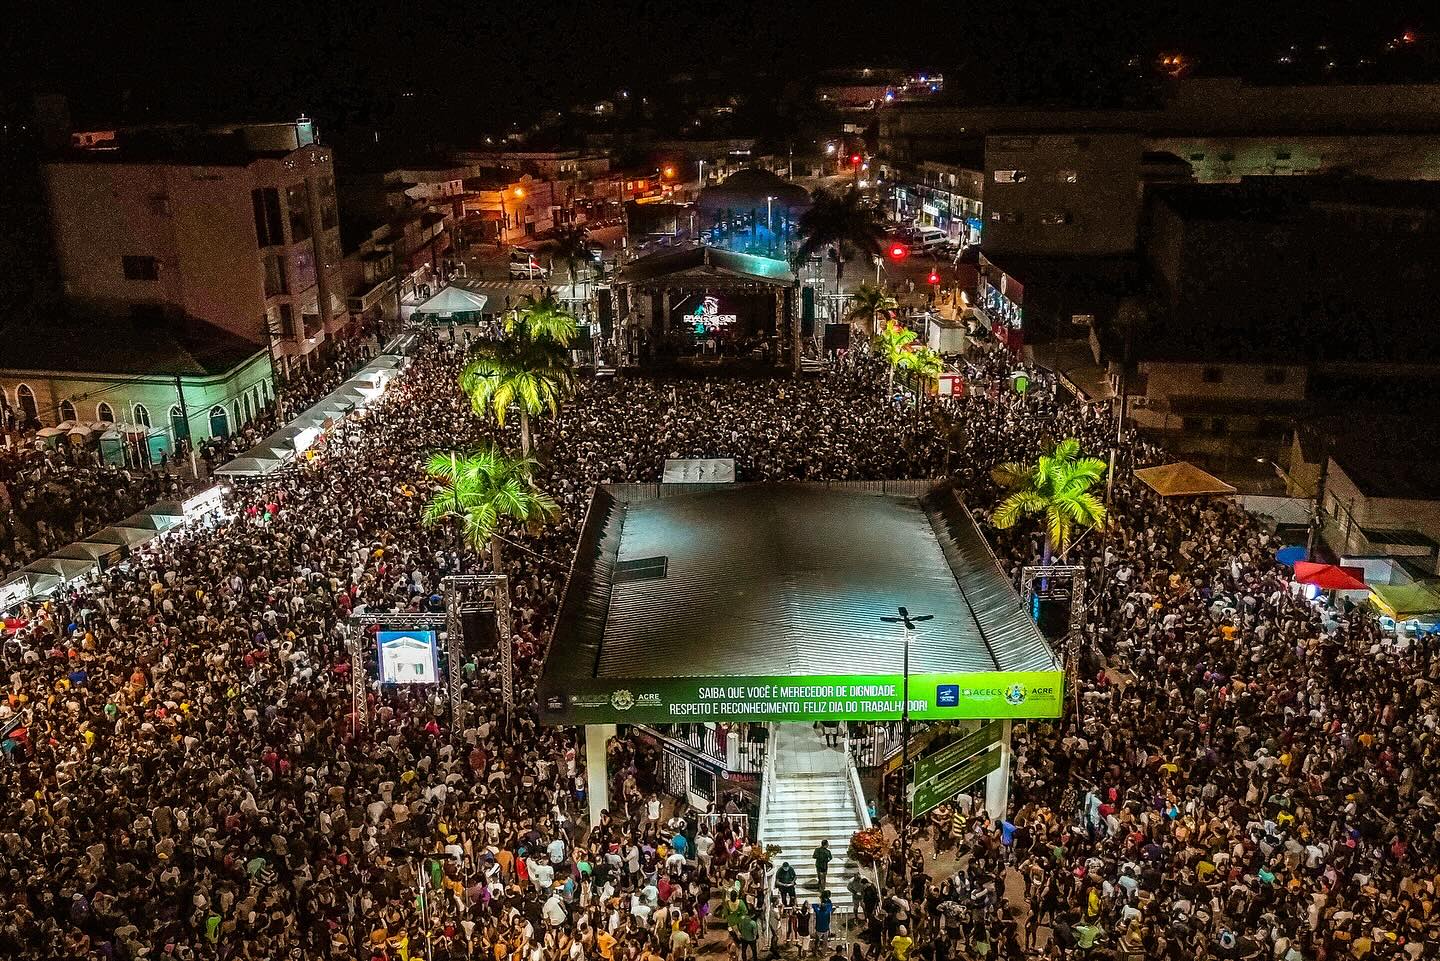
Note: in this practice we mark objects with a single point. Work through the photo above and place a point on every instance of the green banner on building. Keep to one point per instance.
(933, 697)
(937, 791)
(952, 754)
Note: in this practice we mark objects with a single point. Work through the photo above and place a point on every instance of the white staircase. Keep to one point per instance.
(809, 798)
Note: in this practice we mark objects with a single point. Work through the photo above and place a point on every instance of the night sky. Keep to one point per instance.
(489, 62)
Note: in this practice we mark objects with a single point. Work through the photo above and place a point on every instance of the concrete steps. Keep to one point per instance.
(811, 802)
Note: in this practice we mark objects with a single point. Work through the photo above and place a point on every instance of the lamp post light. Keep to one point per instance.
(908, 622)
(769, 225)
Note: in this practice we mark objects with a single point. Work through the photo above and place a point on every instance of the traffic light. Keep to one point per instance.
(855, 159)
(934, 277)
(899, 252)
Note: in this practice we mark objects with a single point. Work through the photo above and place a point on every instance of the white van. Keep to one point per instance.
(931, 238)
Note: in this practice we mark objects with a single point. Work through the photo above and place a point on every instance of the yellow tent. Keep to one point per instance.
(1182, 480)
(1404, 601)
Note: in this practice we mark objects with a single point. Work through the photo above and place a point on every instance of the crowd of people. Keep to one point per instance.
(53, 496)
(186, 779)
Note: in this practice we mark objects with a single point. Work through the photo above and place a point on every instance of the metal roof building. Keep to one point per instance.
(764, 601)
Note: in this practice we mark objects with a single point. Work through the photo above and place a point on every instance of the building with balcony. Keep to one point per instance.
(236, 228)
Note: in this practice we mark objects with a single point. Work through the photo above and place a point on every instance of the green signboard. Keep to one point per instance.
(937, 791)
(933, 697)
(952, 754)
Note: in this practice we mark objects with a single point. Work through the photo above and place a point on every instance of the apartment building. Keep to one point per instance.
(237, 228)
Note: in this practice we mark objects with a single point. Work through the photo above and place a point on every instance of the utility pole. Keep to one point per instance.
(908, 622)
(185, 416)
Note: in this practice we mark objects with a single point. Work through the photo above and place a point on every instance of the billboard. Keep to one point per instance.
(933, 697)
(407, 657)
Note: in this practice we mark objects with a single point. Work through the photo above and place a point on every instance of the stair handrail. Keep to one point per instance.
(852, 780)
(767, 782)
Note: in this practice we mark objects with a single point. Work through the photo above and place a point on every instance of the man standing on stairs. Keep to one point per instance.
(785, 882)
(822, 861)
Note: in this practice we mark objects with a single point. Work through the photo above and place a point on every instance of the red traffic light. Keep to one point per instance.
(855, 159)
(934, 277)
(899, 251)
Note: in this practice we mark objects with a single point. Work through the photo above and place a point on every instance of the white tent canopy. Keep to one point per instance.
(451, 301)
(248, 467)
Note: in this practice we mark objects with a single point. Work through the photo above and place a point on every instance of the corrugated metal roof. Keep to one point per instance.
(787, 579)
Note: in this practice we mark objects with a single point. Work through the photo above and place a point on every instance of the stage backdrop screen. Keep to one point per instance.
(407, 657)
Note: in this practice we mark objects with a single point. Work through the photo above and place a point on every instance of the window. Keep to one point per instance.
(1006, 217)
(1282, 155)
(249, 406)
(1212, 375)
(1219, 426)
(275, 276)
(104, 413)
(1054, 218)
(1227, 157)
(140, 268)
(329, 216)
(67, 410)
(219, 422)
(297, 202)
(178, 428)
(25, 397)
(1067, 176)
(1192, 423)
(1197, 156)
(266, 202)
(1009, 176)
(1276, 375)
(287, 321)
(142, 415)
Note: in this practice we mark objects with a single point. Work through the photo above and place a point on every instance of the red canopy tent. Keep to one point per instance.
(1330, 577)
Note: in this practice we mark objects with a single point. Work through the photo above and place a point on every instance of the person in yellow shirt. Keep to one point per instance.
(605, 942)
(901, 943)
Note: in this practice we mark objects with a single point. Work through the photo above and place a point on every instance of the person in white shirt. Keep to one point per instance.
(553, 911)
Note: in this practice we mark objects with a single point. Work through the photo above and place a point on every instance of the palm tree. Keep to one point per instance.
(925, 364)
(529, 367)
(1058, 486)
(484, 489)
(841, 220)
(867, 303)
(892, 343)
(572, 249)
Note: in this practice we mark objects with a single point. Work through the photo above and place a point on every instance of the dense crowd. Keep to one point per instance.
(186, 779)
(50, 498)
(53, 496)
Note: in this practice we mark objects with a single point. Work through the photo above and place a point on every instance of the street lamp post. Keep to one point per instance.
(908, 622)
(769, 225)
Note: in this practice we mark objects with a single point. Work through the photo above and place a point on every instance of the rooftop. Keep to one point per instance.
(706, 265)
(109, 346)
(784, 579)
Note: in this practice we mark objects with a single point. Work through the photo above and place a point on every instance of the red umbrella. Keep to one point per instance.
(1330, 577)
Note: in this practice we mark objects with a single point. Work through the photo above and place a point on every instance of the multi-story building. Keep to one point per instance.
(237, 228)
(1272, 299)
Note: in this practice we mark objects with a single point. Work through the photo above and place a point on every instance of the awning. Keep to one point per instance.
(123, 536)
(67, 569)
(1182, 479)
(452, 301)
(1330, 577)
(84, 551)
(248, 467)
(1404, 601)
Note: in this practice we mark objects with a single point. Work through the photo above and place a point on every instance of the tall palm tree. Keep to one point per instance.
(867, 303)
(572, 250)
(1058, 486)
(529, 367)
(841, 220)
(484, 489)
(892, 343)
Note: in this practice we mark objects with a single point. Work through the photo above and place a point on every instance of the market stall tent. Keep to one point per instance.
(1406, 601)
(1330, 577)
(1181, 479)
